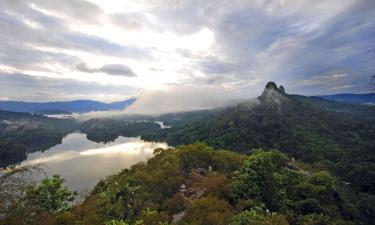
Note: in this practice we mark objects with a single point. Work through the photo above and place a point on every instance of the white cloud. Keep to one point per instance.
(222, 44)
(178, 98)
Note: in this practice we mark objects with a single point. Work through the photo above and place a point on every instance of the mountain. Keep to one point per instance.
(316, 134)
(352, 98)
(291, 160)
(361, 111)
(343, 142)
(78, 106)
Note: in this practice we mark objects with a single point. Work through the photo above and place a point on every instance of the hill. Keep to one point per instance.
(361, 111)
(323, 173)
(196, 184)
(79, 106)
(21, 133)
(352, 98)
(344, 142)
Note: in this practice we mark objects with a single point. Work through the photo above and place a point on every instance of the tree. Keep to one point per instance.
(258, 181)
(115, 222)
(123, 195)
(50, 195)
(208, 211)
(13, 184)
(256, 216)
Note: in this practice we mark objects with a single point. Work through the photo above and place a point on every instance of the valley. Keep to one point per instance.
(311, 138)
(187, 112)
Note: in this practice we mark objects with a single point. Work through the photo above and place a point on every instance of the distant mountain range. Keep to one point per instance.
(67, 107)
(352, 98)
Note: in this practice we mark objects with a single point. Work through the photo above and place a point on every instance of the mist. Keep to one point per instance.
(169, 100)
(180, 99)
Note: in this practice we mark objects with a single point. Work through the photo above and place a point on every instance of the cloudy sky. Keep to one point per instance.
(111, 50)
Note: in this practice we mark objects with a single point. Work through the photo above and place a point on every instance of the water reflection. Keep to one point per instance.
(83, 162)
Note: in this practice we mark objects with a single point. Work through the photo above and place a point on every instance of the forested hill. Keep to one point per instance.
(368, 98)
(361, 111)
(197, 184)
(344, 143)
(78, 106)
(22, 132)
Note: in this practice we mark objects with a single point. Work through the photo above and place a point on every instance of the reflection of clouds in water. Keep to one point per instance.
(83, 163)
(52, 159)
(132, 148)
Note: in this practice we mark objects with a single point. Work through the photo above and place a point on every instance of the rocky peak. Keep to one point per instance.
(271, 86)
(282, 89)
(273, 94)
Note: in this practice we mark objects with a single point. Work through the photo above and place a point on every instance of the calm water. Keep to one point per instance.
(83, 162)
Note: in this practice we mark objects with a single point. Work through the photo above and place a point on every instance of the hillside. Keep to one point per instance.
(79, 106)
(199, 185)
(341, 141)
(290, 160)
(21, 133)
(357, 110)
(351, 98)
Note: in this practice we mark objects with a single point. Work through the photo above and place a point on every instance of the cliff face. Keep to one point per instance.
(271, 86)
(273, 94)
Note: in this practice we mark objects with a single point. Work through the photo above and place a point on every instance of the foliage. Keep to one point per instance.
(121, 194)
(199, 185)
(208, 211)
(259, 180)
(105, 130)
(50, 195)
(21, 133)
(115, 222)
(333, 181)
(23, 202)
(337, 136)
(256, 216)
(269, 182)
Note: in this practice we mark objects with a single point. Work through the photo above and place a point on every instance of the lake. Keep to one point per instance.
(82, 163)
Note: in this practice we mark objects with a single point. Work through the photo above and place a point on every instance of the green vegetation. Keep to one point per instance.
(341, 142)
(21, 133)
(50, 195)
(105, 130)
(323, 170)
(23, 202)
(360, 111)
(195, 184)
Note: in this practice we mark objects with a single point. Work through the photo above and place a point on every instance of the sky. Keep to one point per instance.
(53, 50)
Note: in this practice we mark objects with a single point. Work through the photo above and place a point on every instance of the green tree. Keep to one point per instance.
(208, 211)
(257, 216)
(115, 222)
(258, 181)
(122, 194)
(50, 196)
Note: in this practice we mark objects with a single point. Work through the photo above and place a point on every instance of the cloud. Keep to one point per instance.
(178, 98)
(117, 69)
(286, 41)
(228, 45)
(110, 69)
(34, 33)
(42, 89)
(75, 10)
(131, 21)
